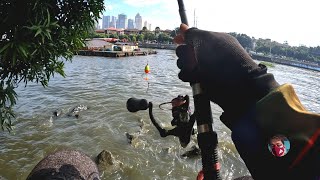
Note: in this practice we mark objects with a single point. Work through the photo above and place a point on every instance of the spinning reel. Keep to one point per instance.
(182, 118)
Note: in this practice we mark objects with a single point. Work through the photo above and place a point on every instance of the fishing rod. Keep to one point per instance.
(183, 122)
(207, 138)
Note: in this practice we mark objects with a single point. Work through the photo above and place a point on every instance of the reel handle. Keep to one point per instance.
(134, 104)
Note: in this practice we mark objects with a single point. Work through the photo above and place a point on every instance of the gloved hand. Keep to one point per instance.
(225, 70)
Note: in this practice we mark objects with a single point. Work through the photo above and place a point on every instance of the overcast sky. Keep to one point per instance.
(295, 21)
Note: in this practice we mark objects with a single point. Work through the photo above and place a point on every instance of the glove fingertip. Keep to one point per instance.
(186, 76)
(190, 35)
(181, 50)
(180, 63)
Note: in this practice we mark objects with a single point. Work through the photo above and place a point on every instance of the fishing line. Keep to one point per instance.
(147, 71)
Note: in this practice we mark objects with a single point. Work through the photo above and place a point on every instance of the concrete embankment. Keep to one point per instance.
(115, 53)
(301, 64)
(157, 46)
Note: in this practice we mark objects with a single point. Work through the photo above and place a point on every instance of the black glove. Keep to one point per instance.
(225, 70)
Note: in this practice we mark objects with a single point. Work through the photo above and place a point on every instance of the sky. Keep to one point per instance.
(295, 21)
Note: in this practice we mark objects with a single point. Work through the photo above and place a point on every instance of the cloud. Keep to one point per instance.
(142, 3)
(108, 7)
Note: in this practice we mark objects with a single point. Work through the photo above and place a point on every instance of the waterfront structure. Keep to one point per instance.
(112, 30)
(130, 24)
(122, 21)
(96, 43)
(138, 21)
(105, 22)
(131, 31)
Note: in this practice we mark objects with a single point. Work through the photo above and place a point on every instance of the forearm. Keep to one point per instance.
(279, 112)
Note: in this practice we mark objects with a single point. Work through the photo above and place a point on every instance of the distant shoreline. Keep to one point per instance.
(305, 65)
(157, 46)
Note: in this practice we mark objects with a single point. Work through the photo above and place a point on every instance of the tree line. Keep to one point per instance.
(143, 36)
(264, 46)
(283, 50)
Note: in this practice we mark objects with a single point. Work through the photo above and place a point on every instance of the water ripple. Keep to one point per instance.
(104, 84)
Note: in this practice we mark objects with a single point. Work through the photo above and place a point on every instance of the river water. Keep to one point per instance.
(104, 85)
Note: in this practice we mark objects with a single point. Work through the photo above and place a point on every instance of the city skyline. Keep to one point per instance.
(123, 22)
(292, 21)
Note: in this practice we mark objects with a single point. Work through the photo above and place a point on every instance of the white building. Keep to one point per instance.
(146, 25)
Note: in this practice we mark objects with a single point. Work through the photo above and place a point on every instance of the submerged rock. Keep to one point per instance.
(57, 112)
(76, 110)
(142, 123)
(192, 152)
(167, 150)
(105, 158)
(106, 162)
(130, 137)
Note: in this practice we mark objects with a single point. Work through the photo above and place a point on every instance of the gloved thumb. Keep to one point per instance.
(179, 39)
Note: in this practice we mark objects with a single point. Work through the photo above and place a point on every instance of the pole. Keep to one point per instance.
(182, 12)
(207, 138)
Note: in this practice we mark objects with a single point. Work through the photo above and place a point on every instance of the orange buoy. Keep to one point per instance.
(147, 69)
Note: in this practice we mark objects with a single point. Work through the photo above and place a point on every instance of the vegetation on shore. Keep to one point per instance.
(34, 34)
(145, 35)
(268, 64)
(266, 46)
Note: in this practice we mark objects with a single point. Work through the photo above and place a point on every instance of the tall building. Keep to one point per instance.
(130, 24)
(149, 27)
(146, 25)
(138, 21)
(122, 21)
(97, 26)
(105, 22)
(113, 22)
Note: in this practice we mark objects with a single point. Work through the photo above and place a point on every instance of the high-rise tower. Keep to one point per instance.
(130, 24)
(122, 20)
(105, 22)
(113, 22)
(138, 21)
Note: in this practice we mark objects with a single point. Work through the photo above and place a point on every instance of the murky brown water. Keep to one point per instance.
(104, 85)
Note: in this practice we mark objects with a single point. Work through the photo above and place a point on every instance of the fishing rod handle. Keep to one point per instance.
(207, 138)
(134, 104)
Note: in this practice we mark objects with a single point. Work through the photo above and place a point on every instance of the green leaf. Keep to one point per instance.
(48, 17)
(38, 32)
(5, 47)
(46, 32)
(22, 49)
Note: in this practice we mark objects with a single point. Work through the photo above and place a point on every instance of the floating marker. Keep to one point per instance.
(147, 69)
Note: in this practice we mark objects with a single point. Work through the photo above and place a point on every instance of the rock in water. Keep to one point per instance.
(65, 164)
(57, 112)
(107, 163)
(76, 110)
(105, 158)
(193, 152)
(130, 137)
